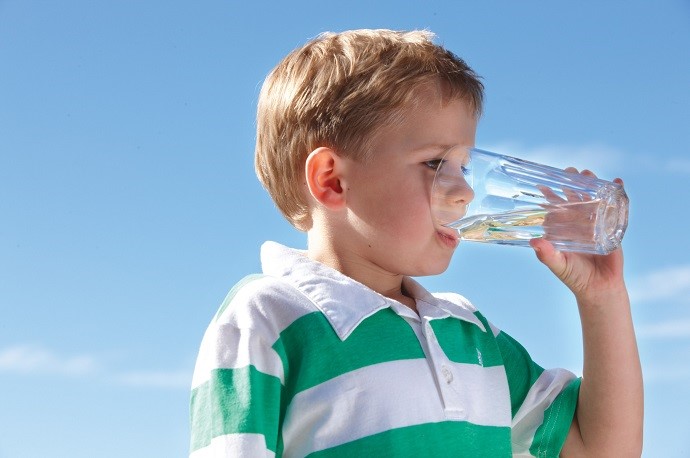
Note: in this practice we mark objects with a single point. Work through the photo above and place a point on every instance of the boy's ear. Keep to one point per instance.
(324, 178)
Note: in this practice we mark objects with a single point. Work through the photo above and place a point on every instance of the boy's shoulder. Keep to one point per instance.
(261, 298)
(246, 285)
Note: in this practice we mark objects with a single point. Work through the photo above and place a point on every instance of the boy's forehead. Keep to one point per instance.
(434, 92)
(431, 126)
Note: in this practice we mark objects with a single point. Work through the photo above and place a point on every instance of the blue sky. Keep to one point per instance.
(129, 205)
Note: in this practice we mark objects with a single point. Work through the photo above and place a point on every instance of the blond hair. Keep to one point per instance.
(336, 91)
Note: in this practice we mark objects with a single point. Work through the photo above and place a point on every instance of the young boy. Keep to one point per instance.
(336, 351)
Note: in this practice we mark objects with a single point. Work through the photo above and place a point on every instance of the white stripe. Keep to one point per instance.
(248, 327)
(476, 394)
(494, 329)
(378, 398)
(234, 445)
(226, 347)
(531, 413)
(268, 305)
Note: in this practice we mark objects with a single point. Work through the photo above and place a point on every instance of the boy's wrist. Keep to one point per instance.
(604, 300)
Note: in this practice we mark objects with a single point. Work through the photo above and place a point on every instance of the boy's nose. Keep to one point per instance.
(461, 193)
(450, 198)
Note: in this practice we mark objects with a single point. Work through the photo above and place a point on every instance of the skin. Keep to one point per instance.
(609, 416)
(373, 222)
(372, 219)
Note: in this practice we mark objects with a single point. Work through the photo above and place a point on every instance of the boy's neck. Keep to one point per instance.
(349, 263)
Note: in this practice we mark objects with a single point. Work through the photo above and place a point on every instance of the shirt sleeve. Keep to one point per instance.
(542, 401)
(236, 393)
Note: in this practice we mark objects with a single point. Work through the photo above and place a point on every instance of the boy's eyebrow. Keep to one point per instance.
(437, 148)
(433, 147)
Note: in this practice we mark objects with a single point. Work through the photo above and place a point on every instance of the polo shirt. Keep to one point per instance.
(301, 361)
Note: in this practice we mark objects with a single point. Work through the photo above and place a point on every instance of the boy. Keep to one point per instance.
(336, 351)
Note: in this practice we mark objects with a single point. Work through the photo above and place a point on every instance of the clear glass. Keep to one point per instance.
(517, 200)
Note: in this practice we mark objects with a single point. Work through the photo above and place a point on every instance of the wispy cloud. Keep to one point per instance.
(35, 359)
(606, 161)
(677, 165)
(670, 283)
(601, 159)
(156, 379)
(666, 373)
(665, 330)
(665, 361)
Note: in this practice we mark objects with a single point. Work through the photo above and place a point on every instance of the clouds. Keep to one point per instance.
(665, 329)
(34, 359)
(668, 284)
(663, 342)
(606, 161)
(667, 287)
(670, 373)
(37, 360)
(157, 379)
(603, 160)
(677, 165)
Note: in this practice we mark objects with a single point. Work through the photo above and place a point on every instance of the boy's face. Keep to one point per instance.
(388, 195)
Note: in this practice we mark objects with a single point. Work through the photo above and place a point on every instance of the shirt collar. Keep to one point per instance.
(345, 302)
(442, 305)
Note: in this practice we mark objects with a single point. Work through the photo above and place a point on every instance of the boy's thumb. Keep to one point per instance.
(548, 255)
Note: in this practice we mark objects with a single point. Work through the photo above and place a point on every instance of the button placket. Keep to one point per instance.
(445, 375)
(451, 392)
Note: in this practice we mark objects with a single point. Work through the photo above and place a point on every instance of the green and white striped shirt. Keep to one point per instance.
(304, 361)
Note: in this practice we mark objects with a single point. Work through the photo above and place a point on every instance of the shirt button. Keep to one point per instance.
(430, 333)
(447, 374)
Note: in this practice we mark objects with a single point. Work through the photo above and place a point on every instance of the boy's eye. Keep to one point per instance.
(434, 163)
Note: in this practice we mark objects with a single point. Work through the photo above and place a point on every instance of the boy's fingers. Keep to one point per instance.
(548, 255)
(549, 195)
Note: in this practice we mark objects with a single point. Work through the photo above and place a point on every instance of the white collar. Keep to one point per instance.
(346, 302)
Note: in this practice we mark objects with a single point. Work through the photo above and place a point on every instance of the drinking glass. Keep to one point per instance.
(517, 200)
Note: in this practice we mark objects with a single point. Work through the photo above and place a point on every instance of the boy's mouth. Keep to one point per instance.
(449, 237)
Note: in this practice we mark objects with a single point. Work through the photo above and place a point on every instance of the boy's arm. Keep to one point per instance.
(608, 419)
(236, 396)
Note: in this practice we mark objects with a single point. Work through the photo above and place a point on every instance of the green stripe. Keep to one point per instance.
(464, 342)
(550, 436)
(522, 372)
(432, 439)
(235, 401)
(484, 321)
(233, 291)
(313, 353)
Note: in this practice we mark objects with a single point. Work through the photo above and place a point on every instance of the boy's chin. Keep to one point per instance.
(434, 269)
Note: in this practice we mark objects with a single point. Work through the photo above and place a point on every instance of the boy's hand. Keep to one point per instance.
(590, 277)
(611, 392)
